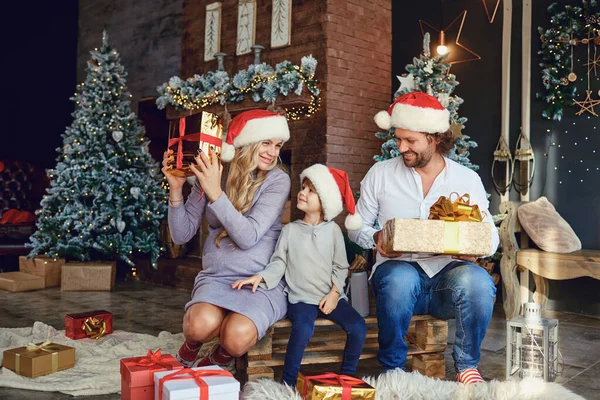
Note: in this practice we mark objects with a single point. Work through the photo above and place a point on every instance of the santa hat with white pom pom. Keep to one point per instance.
(415, 111)
(251, 127)
(334, 191)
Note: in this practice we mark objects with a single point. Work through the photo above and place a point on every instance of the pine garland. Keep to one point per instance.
(261, 82)
(570, 23)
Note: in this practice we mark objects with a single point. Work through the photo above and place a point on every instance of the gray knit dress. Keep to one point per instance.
(245, 252)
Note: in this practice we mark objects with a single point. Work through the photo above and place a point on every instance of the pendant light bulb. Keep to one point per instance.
(442, 49)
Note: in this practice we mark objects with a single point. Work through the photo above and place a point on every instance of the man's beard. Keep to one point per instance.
(420, 160)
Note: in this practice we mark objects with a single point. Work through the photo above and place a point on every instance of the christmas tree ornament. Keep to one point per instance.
(572, 77)
(135, 192)
(406, 82)
(117, 136)
(456, 130)
(120, 226)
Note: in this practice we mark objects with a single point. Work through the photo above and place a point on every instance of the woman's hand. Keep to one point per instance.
(254, 280)
(329, 302)
(175, 182)
(209, 174)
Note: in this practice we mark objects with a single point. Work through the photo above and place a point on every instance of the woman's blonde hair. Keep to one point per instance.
(244, 179)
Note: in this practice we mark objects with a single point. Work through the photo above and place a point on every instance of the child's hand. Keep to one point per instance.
(329, 302)
(254, 280)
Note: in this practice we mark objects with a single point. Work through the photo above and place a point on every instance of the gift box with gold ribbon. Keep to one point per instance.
(91, 324)
(453, 228)
(203, 383)
(39, 359)
(332, 386)
(137, 374)
(186, 138)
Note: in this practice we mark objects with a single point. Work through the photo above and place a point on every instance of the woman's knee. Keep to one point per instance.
(201, 323)
(237, 337)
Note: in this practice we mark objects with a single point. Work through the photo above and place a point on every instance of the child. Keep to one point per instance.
(311, 254)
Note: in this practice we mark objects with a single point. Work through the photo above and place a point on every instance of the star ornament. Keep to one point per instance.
(406, 82)
(456, 130)
(587, 105)
(458, 53)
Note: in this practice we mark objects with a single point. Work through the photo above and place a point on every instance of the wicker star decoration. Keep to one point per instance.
(458, 51)
(487, 12)
(587, 105)
(456, 130)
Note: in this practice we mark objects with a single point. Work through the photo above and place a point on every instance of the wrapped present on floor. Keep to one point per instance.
(454, 228)
(332, 386)
(39, 359)
(203, 383)
(88, 276)
(185, 140)
(92, 324)
(48, 268)
(20, 282)
(137, 374)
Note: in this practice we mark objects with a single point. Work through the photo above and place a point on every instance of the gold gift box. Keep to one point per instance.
(437, 237)
(41, 359)
(185, 145)
(20, 281)
(88, 276)
(326, 389)
(48, 268)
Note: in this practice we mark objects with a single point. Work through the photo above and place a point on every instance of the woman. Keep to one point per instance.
(243, 228)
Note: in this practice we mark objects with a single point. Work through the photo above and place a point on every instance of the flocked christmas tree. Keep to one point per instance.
(431, 75)
(106, 199)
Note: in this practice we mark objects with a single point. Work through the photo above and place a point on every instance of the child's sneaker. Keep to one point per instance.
(218, 356)
(469, 376)
(187, 353)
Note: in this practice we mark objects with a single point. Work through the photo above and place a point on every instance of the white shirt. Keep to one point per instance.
(392, 190)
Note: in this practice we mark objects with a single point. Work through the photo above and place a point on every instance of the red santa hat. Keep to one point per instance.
(415, 111)
(251, 127)
(334, 191)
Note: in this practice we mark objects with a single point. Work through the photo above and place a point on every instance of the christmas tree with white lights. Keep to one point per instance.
(430, 74)
(106, 198)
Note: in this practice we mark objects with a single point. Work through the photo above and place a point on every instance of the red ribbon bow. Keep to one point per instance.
(153, 359)
(188, 373)
(198, 136)
(345, 381)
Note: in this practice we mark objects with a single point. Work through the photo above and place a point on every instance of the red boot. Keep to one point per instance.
(218, 356)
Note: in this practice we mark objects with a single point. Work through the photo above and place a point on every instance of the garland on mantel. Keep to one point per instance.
(261, 82)
(568, 27)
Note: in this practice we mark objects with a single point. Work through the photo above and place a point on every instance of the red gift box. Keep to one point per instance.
(137, 374)
(93, 324)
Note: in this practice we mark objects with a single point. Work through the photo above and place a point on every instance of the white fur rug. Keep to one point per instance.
(96, 369)
(397, 385)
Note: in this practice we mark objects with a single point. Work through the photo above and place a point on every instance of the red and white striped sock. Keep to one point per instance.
(469, 376)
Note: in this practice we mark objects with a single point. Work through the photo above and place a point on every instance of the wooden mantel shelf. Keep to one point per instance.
(292, 100)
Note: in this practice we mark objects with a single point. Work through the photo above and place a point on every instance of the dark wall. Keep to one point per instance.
(40, 68)
(568, 176)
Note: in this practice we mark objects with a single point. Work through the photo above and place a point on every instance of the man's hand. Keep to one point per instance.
(254, 280)
(471, 259)
(329, 302)
(379, 242)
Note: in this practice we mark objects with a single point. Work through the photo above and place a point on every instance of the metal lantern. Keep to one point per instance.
(532, 345)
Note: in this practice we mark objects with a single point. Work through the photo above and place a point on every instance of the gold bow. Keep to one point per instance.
(458, 210)
(94, 327)
(45, 346)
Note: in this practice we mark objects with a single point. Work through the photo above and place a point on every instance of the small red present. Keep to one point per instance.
(92, 324)
(137, 374)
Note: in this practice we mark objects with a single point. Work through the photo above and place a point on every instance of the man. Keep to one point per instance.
(406, 187)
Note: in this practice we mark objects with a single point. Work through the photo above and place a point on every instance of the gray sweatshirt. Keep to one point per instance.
(312, 258)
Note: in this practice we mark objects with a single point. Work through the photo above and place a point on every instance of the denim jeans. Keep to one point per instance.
(461, 290)
(303, 318)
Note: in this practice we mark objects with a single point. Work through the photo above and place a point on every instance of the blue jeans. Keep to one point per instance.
(461, 290)
(303, 318)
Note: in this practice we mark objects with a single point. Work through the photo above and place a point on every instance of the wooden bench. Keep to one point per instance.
(519, 255)
(427, 338)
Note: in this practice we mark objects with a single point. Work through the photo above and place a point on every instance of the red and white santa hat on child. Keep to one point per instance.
(415, 111)
(251, 127)
(334, 191)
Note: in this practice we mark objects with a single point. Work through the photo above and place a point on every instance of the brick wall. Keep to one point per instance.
(351, 41)
(146, 34)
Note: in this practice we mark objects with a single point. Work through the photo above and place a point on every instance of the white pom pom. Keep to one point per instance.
(383, 120)
(227, 152)
(353, 222)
